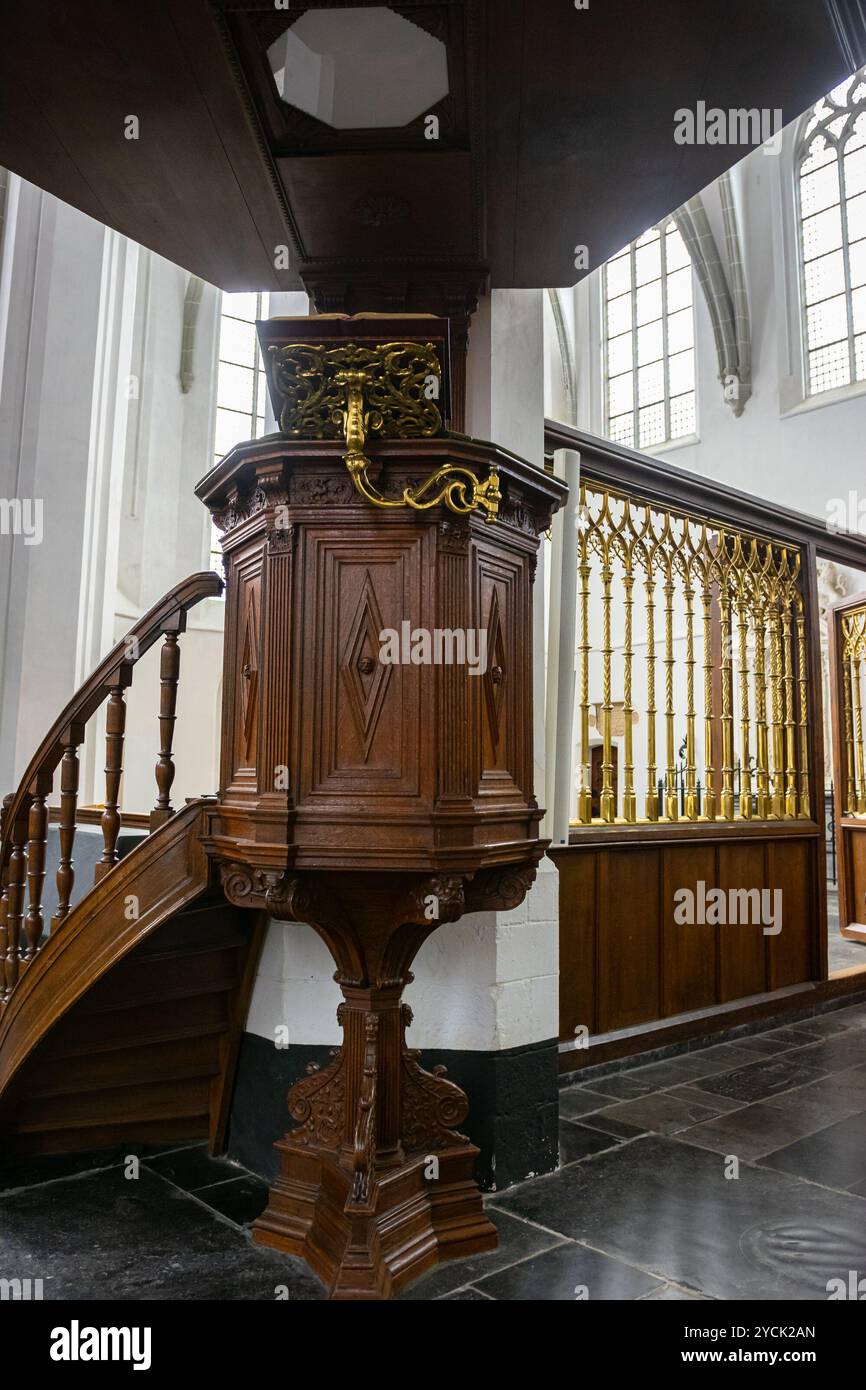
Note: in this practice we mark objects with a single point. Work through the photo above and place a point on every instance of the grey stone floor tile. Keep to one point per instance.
(669, 1293)
(609, 1124)
(662, 1113)
(576, 1102)
(750, 1132)
(835, 1156)
(103, 1236)
(470, 1295)
(797, 1036)
(518, 1240)
(666, 1206)
(624, 1086)
(760, 1080)
(721, 1104)
(567, 1273)
(576, 1141)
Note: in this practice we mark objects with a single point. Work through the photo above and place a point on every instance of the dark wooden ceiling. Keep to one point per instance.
(558, 132)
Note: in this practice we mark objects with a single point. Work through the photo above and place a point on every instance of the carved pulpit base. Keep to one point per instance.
(375, 1183)
(411, 1222)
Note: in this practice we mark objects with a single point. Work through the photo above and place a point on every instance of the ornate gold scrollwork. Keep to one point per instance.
(356, 391)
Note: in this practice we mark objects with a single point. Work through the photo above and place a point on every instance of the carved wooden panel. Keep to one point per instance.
(244, 622)
(360, 720)
(503, 693)
(854, 843)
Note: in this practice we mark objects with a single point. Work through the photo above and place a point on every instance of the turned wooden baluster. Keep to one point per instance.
(66, 830)
(37, 837)
(4, 935)
(17, 872)
(115, 723)
(4, 898)
(169, 674)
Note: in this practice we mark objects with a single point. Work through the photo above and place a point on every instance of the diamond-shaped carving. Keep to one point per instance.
(250, 674)
(365, 677)
(495, 677)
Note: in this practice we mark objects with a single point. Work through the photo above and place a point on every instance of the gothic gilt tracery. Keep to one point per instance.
(853, 669)
(723, 685)
(354, 391)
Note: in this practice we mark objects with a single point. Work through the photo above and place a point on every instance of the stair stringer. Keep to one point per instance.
(165, 872)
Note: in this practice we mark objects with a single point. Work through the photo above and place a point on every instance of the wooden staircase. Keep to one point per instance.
(122, 1024)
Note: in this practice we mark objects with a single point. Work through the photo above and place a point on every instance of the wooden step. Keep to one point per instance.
(148, 982)
(128, 1066)
(193, 1017)
(152, 1100)
(164, 1129)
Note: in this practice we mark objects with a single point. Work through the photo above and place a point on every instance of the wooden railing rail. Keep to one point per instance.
(25, 814)
(658, 481)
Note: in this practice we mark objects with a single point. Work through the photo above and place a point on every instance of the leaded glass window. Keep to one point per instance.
(649, 341)
(831, 186)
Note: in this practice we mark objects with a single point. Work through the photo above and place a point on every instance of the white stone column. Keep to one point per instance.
(66, 298)
(560, 673)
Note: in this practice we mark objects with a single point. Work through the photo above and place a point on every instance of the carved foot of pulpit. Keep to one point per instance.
(375, 1184)
(376, 1181)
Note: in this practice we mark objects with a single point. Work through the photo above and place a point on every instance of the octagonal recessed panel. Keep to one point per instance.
(359, 69)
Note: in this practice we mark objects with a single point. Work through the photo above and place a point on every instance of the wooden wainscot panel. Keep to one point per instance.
(742, 950)
(791, 868)
(689, 946)
(626, 961)
(854, 842)
(578, 997)
(629, 938)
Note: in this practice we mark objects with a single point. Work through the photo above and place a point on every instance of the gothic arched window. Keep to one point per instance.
(649, 336)
(831, 185)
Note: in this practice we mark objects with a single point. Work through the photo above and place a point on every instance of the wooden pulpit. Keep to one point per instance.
(377, 755)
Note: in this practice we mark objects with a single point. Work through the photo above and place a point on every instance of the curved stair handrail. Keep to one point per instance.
(24, 817)
(167, 871)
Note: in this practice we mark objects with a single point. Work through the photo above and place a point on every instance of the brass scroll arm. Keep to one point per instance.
(455, 485)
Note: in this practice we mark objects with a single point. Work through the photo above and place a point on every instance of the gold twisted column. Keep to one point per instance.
(727, 703)
(629, 803)
(850, 784)
(710, 771)
(652, 802)
(802, 679)
(608, 800)
(745, 751)
(584, 796)
(777, 799)
(858, 737)
(691, 796)
(671, 806)
(790, 734)
(762, 740)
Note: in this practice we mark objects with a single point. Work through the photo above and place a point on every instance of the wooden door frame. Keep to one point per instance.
(845, 828)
